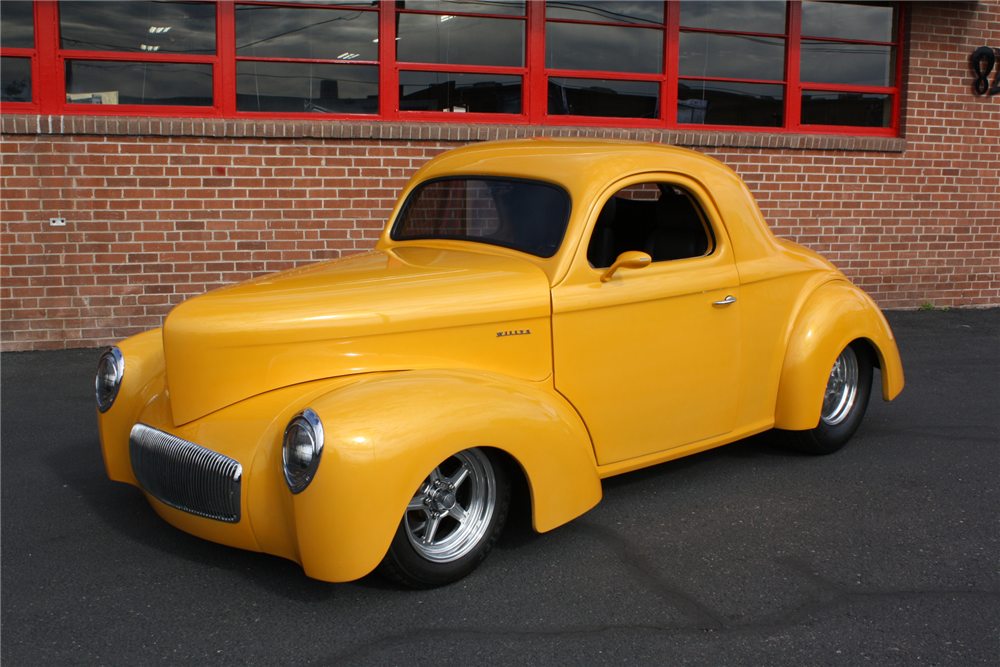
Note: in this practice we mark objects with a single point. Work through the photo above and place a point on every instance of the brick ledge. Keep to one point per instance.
(333, 129)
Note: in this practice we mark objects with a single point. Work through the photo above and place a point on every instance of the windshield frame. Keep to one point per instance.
(411, 198)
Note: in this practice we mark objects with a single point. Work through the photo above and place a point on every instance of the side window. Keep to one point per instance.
(659, 219)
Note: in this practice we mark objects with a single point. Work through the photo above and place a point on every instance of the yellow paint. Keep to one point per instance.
(833, 316)
(631, 259)
(420, 349)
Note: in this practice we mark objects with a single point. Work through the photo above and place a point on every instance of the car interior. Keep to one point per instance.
(656, 218)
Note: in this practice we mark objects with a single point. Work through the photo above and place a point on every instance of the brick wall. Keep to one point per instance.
(159, 210)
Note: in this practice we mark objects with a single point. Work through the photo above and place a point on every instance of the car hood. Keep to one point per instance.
(402, 309)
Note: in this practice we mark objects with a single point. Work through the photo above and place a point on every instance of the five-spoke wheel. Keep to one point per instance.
(451, 522)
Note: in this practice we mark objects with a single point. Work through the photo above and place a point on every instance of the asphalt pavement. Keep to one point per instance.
(885, 553)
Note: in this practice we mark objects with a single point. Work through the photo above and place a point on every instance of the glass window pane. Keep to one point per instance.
(853, 64)
(855, 109)
(730, 103)
(732, 56)
(656, 218)
(459, 93)
(638, 13)
(603, 48)
(505, 7)
(313, 34)
(524, 215)
(306, 87)
(17, 25)
(871, 23)
(163, 27)
(761, 16)
(460, 40)
(601, 97)
(107, 82)
(15, 79)
(347, 3)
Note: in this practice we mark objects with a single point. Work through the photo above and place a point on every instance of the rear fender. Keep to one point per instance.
(384, 434)
(834, 316)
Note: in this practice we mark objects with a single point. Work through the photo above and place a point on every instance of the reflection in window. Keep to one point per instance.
(15, 79)
(345, 3)
(460, 40)
(730, 103)
(107, 82)
(853, 64)
(763, 16)
(603, 48)
(842, 20)
(602, 97)
(161, 27)
(615, 11)
(505, 7)
(732, 56)
(17, 25)
(459, 93)
(316, 34)
(306, 87)
(524, 215)
(853, 109)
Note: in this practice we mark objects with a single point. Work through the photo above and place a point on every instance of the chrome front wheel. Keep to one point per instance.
(452, 521)
(451, 511)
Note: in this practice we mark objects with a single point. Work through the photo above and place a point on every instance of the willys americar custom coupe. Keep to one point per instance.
(561, 310)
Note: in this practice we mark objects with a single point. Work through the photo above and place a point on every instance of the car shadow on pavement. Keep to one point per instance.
(124, 510)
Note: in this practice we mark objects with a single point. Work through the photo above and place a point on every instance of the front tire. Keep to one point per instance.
(844, 404)
(451, 523)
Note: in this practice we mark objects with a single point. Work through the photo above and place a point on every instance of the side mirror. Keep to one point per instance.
(631, 259)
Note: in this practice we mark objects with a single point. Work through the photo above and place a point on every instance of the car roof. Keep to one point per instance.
(573, 163)
(585, 168)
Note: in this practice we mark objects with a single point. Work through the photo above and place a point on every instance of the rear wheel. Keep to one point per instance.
(451, 523)
(844, 403)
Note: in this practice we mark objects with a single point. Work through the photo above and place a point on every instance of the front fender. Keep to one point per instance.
(836, 314)
(142, 380)
(385, 433)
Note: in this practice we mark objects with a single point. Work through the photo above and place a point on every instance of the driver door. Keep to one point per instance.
(651, 357)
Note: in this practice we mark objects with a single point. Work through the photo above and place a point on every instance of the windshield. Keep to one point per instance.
(524, 215)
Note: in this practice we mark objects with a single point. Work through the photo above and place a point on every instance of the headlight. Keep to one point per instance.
(109, 378)
(302, 447)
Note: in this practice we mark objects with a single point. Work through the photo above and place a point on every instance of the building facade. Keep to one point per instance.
(154, 150)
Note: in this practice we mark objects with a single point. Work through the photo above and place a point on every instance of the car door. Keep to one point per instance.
(650, 357)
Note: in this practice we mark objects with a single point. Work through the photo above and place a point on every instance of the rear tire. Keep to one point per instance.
(452, 522)
(844, 404)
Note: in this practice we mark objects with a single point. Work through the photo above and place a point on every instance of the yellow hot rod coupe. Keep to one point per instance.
(561, 310)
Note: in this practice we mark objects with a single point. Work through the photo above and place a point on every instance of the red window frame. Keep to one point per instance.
(226, 22)
(663, 120)
(32, 55)
(48, 63)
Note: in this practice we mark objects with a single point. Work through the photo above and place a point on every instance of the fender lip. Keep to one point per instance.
(384, 436)
(831, 317)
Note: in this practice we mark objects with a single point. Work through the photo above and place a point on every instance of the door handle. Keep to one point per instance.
(725, 302)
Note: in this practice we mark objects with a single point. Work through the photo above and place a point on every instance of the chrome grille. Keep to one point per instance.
(184, 475)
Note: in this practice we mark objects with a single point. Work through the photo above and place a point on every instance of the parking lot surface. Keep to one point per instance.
(885, 553)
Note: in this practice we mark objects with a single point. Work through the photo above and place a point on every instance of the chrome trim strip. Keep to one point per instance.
(186, 476)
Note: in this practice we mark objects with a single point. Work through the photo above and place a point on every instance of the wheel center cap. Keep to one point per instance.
(447, 501)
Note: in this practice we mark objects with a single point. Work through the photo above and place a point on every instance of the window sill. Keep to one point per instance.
(400, 131)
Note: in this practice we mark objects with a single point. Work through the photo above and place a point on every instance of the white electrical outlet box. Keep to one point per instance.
(57, 222)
